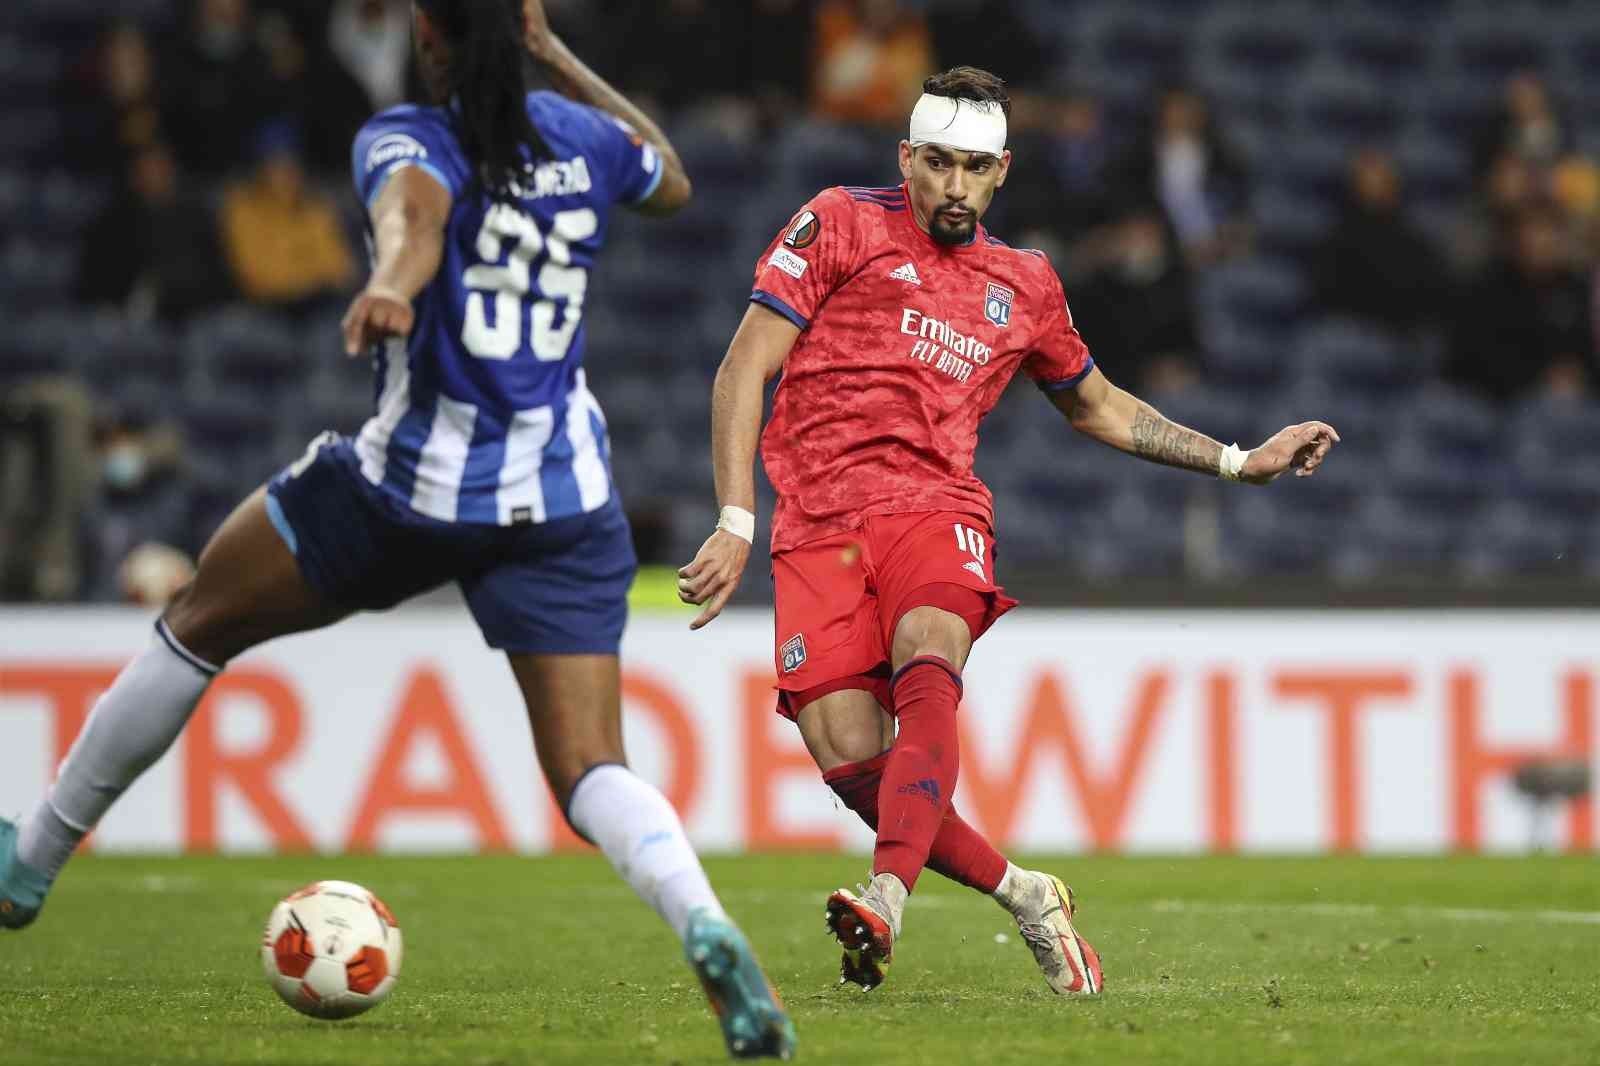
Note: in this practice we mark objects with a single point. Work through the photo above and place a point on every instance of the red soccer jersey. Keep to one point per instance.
(905, 345)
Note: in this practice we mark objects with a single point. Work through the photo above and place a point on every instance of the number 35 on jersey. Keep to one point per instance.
(508, 244)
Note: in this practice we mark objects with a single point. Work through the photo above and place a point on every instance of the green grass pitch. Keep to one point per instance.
(515, 960)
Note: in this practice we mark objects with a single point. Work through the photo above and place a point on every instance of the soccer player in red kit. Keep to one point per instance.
(897, 321)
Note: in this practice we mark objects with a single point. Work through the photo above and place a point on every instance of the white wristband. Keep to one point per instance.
(1232, 462)
(739, 522)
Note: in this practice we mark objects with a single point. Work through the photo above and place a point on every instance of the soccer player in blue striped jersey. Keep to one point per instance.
(486, 463)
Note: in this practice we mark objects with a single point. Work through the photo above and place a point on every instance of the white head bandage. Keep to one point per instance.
(965, 125)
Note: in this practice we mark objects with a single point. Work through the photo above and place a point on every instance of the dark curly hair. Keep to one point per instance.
(970, 83)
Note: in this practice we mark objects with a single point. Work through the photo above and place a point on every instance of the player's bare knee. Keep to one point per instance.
(844, 727)
(193, 622)
(931, 631)
(563, 774)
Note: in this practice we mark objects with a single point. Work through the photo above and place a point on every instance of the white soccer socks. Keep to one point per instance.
(131, 726)
(637, 829)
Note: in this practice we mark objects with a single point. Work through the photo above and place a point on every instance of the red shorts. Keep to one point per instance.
(840, 598)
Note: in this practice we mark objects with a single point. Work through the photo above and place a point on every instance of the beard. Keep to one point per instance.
(942, 229)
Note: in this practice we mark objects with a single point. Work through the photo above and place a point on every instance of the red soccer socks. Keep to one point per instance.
(959, 851)
(920, 773)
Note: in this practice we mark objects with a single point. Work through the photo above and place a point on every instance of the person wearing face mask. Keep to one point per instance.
(216, 86)
(140, 514)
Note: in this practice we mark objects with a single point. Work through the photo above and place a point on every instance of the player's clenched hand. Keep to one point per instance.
(375, 315)
(1299, 448)
(714, 574)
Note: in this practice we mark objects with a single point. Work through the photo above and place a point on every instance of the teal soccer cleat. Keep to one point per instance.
(22, 888)
(754, 1024)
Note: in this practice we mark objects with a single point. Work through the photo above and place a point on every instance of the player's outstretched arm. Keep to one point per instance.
(754, 358)
(573, 78)
(1117, 417)
(408, 223)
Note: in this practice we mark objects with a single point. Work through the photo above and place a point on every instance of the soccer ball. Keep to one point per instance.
(332, 950)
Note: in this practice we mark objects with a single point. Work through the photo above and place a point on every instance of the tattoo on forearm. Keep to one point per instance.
(1161, 441)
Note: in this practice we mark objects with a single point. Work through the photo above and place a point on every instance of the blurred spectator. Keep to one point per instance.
(1135, 310)
(283, 238)
(1527, 125)
(1058, 185)
(371, 40)
(1183, 162)
(684, 52)
(117, 107)
(1505, 191)
(154, 250)
(313, 84)
(140, 510)
(46, 476)
(216, 86)
(780, 54)
(989, 34)
(1524, 325)
(872, 57)
(1374, 263)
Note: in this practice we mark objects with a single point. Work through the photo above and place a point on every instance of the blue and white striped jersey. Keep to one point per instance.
(483, 415)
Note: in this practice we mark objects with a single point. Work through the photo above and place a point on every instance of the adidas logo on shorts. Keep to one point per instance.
(906, 273)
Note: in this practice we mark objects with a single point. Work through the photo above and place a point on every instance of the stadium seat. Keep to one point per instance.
(1310, 166)
(1509, 537)
(1227, 414)
(1261, 291)
(239, 434)
(1561, 425)
(1239, 355)
(118, 351)
(1435, 169)
(1266, 43)
(247, 350)
(1445, 485)
(36, 272)
(1561, 480)
(1492, 45)
(44, 343)
(1457, 422)
(32, 135)
(1290, 221)
(1277, 533)
(1383, 49)
(29, 69)
(1345, 353)
(1334, 102)
(1390, 538)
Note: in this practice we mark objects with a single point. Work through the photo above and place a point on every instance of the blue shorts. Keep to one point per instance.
(553, 588)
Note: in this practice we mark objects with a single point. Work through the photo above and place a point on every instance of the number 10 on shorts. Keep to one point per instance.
(970, 540)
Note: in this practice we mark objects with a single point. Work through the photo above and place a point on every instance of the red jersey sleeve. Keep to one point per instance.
(809, 259)
(1059, 359)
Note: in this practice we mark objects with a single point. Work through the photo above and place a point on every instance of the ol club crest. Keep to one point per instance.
(997, 304)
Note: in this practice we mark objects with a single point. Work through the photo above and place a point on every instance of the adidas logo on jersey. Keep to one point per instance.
(906, 273)
(977, 568)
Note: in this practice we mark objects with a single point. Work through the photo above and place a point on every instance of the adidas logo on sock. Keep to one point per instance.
(927, 788)
(906, 273)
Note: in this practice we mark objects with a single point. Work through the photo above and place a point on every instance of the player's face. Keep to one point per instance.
(950, 189)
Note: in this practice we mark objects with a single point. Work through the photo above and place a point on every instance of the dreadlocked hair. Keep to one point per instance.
(488, 87)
